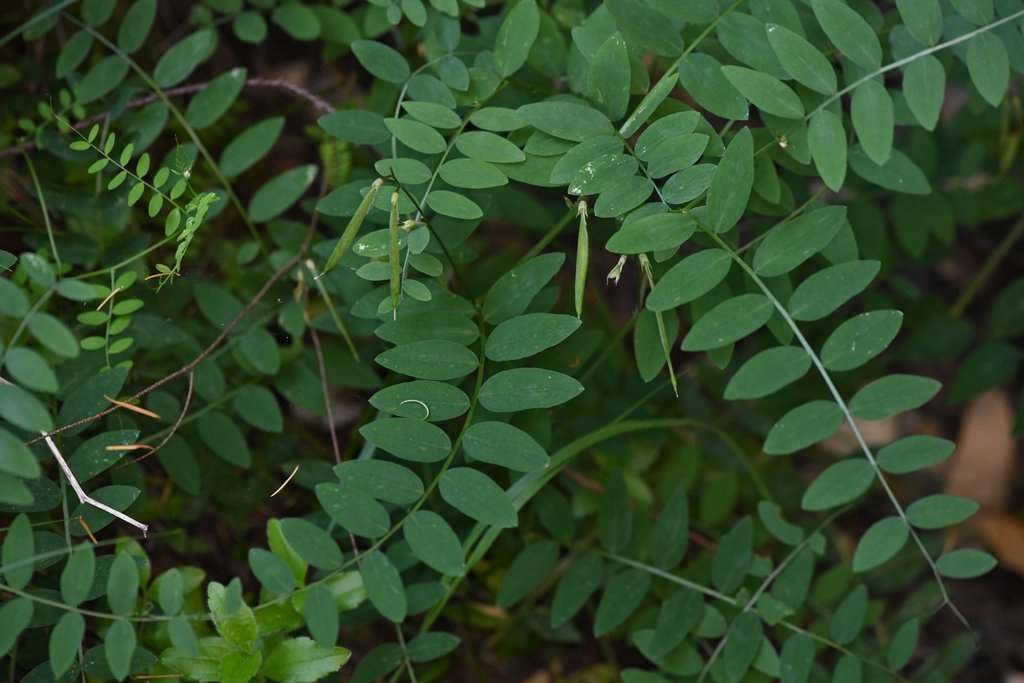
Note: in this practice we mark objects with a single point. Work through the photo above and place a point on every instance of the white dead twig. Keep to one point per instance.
(83, 497)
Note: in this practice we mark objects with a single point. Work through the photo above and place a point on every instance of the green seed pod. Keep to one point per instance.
(352, 229)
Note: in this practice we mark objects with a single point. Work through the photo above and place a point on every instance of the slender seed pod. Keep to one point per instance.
(645, 265)
(582, 257)
(352, 229)
(394, 254)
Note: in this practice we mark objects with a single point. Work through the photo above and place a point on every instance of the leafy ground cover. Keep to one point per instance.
(466, 340)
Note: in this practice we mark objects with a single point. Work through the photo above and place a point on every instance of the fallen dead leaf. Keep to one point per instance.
(983, 464)
(1005, 537)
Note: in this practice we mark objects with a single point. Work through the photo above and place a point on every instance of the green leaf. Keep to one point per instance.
(848, 619)
(860, 339)
(689, 279)
(135, 25)
(321, 616)
(678, 614)
(297, 20)
(489, 147)
(280, 192)
(502, 444)
(422, 399)
(743, 640)
(53, 335)
(899, 173)
(676, 154)
(801, 59)
(849, 32)
(986, 366)
(358, 126)
(515, 37)
(565, 120)
(989, 66)
(28, 368)
(903, 644)
(225, 439)
(512, 293)
(301, 660)
(123, 584)
(383, 586)
(13, 302)
(828, 289)
(76, 579)
(527, 388)
(797, 658)
(924, 87)
(525, 335)
(894, 394)
(645, 27)
(170, 591)
(670, 535)
(827, 141)
(258, 406)
(765, 92)
(659, 232)
(237, 626)
(65, 640)
(250, 27)
(732, 182)
(880, 543)
(354, 510)
(416, 135)
(311, 543)
(74, 52)
(839, 484)
(22, 409)
(472, 174)
(449, 326)
(803, 426)
(118, 647)
(939, 510)
(608, 79)
(497, 119)
(271, 571)
(767, 372)
(871, 111)
(380, 661)
(602, 174)
(529, 569)
(18, 549)
(102, 77)
(426, 647)
(583, 577)
(729, 321)
(626, 195)
(183, 57)
(701, 76)
(771, 517)
(455, 205)
(475, 495)
(383, 480)
(381, 60)
(434, 359)
(734, 556)
(407, 438)
(15, 457)
(432, 540)
(250, 146)
(923, 18)
(214, 100)
(795, 241)
(966, 563)
(15, 615)
(621, 597)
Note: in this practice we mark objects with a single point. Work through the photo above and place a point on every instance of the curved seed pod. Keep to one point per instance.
(352, 229)
(394, 254)
(582, 256)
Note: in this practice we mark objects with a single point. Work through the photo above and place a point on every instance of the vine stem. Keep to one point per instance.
(987, 269)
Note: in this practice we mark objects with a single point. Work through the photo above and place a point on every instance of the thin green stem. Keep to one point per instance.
(987, 269)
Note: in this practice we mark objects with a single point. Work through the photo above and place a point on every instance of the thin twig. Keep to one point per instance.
(83, 497)
(326, 392)
(177, 424)
(319, 103)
